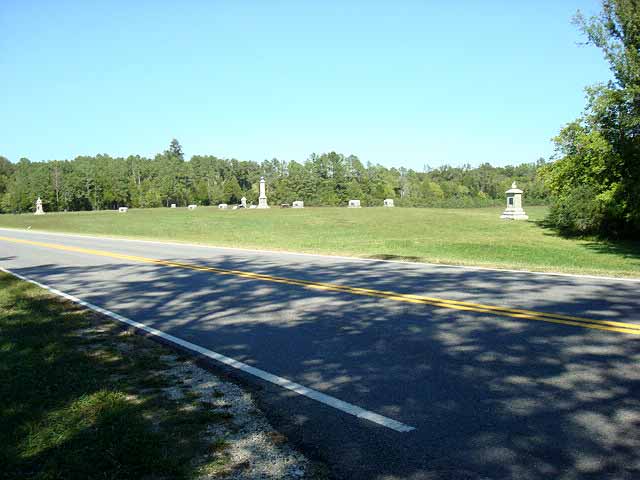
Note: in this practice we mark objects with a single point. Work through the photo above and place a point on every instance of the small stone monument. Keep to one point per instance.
(173, 205)
(192, 207)
(354, 203)
(252, 206)
(39, 210)
(243, 202)
(262, 199)
(123, 209)
(223, 206)
(388, 202)
(297, 204)
(514, 209)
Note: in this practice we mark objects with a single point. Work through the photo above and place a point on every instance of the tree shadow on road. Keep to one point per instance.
(490, 397)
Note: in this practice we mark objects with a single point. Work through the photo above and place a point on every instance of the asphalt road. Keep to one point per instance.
(490, 395)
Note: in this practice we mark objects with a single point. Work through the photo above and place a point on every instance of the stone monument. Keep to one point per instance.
(173, 205)
(514, 209)
(262, 199)
(354, 203)
(223, 206)
(388, 202)
(39, 210)
(123, 209)
(192, 207)
(243, 202)
(297, 204)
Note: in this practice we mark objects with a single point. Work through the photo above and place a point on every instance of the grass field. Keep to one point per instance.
(453, 236)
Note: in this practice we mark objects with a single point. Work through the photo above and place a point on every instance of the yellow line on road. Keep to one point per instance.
(606, 325)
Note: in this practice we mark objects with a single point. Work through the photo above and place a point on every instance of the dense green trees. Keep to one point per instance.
(104, 182)
(596, 181)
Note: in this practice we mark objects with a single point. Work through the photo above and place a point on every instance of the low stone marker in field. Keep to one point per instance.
(173, 205)
(298, 204)
(388, 202)
(39, 210)
(223, 206)
(192, 207)
(243, 202)
(252, 206)
(354, 203)
(123, 209)
(514, 209)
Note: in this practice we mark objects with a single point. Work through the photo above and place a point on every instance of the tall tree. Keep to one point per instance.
(175, 149)
(596, 180)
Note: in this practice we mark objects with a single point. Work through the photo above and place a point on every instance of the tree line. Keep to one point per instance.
(330, 179)
(595, 182)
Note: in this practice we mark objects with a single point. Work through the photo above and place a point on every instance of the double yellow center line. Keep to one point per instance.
(607, 325)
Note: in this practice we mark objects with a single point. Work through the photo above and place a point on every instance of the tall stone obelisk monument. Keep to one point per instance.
(262, 199)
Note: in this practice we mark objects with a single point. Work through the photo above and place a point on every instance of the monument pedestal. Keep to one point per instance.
(262, 199)
(514, 209)
(39, 210)
(514, 214)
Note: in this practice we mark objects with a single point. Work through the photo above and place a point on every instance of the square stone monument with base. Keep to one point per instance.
(514, 209)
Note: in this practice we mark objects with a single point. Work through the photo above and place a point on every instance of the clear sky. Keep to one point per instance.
(397, 83)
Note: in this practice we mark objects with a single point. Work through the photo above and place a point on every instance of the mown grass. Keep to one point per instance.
(453, 236)
(80, 399)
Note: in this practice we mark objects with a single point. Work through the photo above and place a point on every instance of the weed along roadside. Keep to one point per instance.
(83, 398)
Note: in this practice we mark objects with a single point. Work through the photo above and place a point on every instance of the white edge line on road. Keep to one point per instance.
(269, 377)
(320, 255)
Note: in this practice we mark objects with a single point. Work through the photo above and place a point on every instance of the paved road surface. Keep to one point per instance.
(490, 394)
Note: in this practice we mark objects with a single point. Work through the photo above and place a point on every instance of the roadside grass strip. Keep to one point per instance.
(83, 398)
(606, 325)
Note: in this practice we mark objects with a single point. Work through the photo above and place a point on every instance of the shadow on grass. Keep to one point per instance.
(63, 415)
(623, 248)
(400, 258)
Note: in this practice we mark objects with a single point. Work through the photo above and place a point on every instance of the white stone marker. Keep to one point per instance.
(243, 202)
(192, 207)
(354, 203)
(262, 199)
(39, 210)
(388, 202)
(252, 206)
(123, 209)
(514, 209)
(223, 206)
(173, 205)
(297, 204)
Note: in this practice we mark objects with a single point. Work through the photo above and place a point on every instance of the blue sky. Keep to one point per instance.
(398, 83)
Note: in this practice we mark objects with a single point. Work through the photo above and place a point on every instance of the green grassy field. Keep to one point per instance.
(454, 236)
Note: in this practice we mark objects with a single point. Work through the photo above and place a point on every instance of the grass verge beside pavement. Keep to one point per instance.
(81, 398)
(472, 236)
